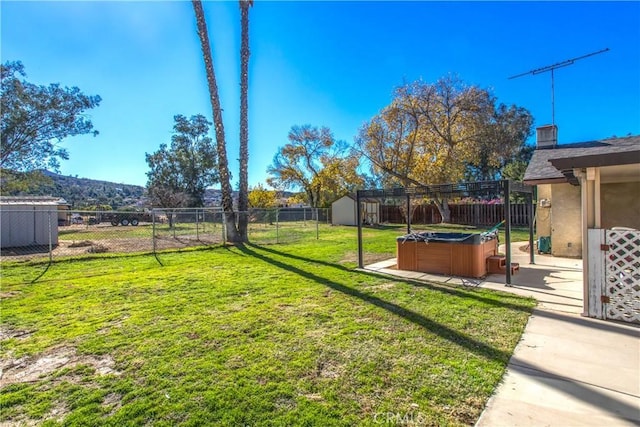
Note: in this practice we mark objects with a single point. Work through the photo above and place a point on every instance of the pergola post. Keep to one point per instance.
(359, 221)
(507, 227)
(529, 200)
(408, 214)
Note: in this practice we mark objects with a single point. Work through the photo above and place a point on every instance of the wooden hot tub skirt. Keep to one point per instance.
(451, 259)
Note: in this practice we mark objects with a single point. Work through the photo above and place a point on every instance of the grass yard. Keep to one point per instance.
(257, 335)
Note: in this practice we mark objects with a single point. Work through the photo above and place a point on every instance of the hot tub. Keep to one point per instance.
(452, 254)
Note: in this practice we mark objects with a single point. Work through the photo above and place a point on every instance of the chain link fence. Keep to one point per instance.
(46, 232)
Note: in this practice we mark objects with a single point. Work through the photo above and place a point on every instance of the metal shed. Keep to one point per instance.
(28, 221)
(344, 211)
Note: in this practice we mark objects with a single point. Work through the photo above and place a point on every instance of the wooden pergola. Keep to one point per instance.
(501, 188)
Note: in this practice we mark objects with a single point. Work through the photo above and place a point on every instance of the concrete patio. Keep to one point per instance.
(567, 370)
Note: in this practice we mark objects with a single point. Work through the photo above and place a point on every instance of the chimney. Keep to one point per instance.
(546, 137)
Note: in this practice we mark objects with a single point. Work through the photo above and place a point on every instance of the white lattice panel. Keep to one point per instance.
(622, 280)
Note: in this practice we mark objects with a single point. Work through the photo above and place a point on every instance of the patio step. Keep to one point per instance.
(497, 264)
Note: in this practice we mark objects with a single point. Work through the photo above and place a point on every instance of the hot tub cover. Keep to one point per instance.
(460, 238)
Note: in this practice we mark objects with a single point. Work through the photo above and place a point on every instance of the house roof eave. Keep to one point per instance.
(560, 180)
(596, 160)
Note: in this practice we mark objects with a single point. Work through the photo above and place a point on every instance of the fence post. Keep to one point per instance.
(317, 226)
(173, 223)
(277, 225)
(197, 226)
(50, 239)
(408, 214)
(529, 201)
(153, 231)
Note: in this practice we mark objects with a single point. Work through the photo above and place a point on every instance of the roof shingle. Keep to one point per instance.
(540, 168)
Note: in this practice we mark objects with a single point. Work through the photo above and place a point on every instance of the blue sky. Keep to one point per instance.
(329, 64)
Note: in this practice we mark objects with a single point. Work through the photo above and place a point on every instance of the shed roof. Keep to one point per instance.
(547, 164)
(353, 197)
(32, 200)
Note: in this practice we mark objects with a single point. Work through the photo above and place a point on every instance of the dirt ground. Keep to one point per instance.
(45, 366)
(30, 369)
(111, 245)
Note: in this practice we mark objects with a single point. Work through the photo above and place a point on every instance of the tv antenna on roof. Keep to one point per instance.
(551, 68)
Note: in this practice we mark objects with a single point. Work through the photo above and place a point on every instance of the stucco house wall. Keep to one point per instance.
(593, 184)
(543, 214)
(561, 220)
(566, 220)
(622, 205)
(606, 173)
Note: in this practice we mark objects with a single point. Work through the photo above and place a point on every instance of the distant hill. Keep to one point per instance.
(85, 192)
(82, 192)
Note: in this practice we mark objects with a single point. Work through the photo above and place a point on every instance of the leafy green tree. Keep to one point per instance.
(36, 118)
(502, 142)
(260, 197)
(297, 199)
(515, 170)
(14, 183)
(180, 173)
(98, 207)
(316, 163)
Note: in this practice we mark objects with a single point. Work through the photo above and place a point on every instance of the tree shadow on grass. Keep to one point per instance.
(478, 347)
(442, 288)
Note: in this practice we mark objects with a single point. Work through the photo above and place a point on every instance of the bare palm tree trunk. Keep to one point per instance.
(243, 196)
(223, 163)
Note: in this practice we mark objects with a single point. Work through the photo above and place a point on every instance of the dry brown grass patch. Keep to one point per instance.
(31, 369)
(369, 257)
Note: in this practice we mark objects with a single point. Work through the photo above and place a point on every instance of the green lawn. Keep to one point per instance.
(258, 335)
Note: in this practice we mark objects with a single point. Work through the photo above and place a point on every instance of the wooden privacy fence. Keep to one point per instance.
(474, 214)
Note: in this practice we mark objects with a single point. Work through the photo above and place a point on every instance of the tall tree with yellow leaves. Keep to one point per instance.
(316, 163)
(431, 133)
